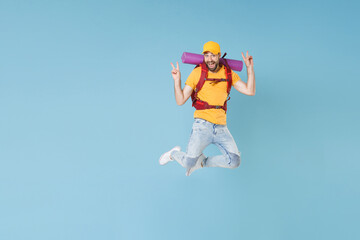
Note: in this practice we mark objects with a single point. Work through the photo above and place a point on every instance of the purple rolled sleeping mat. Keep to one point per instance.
(193, 58)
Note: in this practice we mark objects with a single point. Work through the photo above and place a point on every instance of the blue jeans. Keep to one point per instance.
(203, 134)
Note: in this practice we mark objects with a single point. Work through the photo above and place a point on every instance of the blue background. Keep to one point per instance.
(87, 108)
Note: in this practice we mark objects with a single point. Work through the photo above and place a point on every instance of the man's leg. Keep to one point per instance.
(226, 143)
(201, 137)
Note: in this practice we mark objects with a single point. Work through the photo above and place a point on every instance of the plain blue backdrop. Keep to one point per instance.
(87, 107)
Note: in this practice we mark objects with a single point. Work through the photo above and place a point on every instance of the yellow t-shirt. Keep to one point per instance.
(214, 94)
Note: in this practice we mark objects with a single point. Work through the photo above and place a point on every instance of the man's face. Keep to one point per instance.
(211, 60)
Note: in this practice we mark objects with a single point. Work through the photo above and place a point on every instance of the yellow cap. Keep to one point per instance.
(212, 47)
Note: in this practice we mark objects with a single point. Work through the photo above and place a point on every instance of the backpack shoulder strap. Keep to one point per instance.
(200, 84)
(203, 76)
(228, 73)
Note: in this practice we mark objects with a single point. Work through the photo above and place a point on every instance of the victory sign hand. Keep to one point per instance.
(249, 62)
(175, 72)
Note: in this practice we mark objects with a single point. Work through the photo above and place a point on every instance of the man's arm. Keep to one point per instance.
(181, 95)
(247, 88)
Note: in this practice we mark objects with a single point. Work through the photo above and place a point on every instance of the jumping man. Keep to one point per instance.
(209, 86)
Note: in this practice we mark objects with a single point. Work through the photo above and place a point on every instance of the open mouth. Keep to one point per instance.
(211, 65)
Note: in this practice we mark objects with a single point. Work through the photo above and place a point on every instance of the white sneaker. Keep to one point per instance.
(165, 158)
(197, 166)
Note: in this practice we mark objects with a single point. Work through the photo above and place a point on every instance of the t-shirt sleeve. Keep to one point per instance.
(235, 77)
(193, 78)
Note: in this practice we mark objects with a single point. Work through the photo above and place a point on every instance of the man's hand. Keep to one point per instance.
(247, 88)
(249, 62)
(175, 72)
(181, 95)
